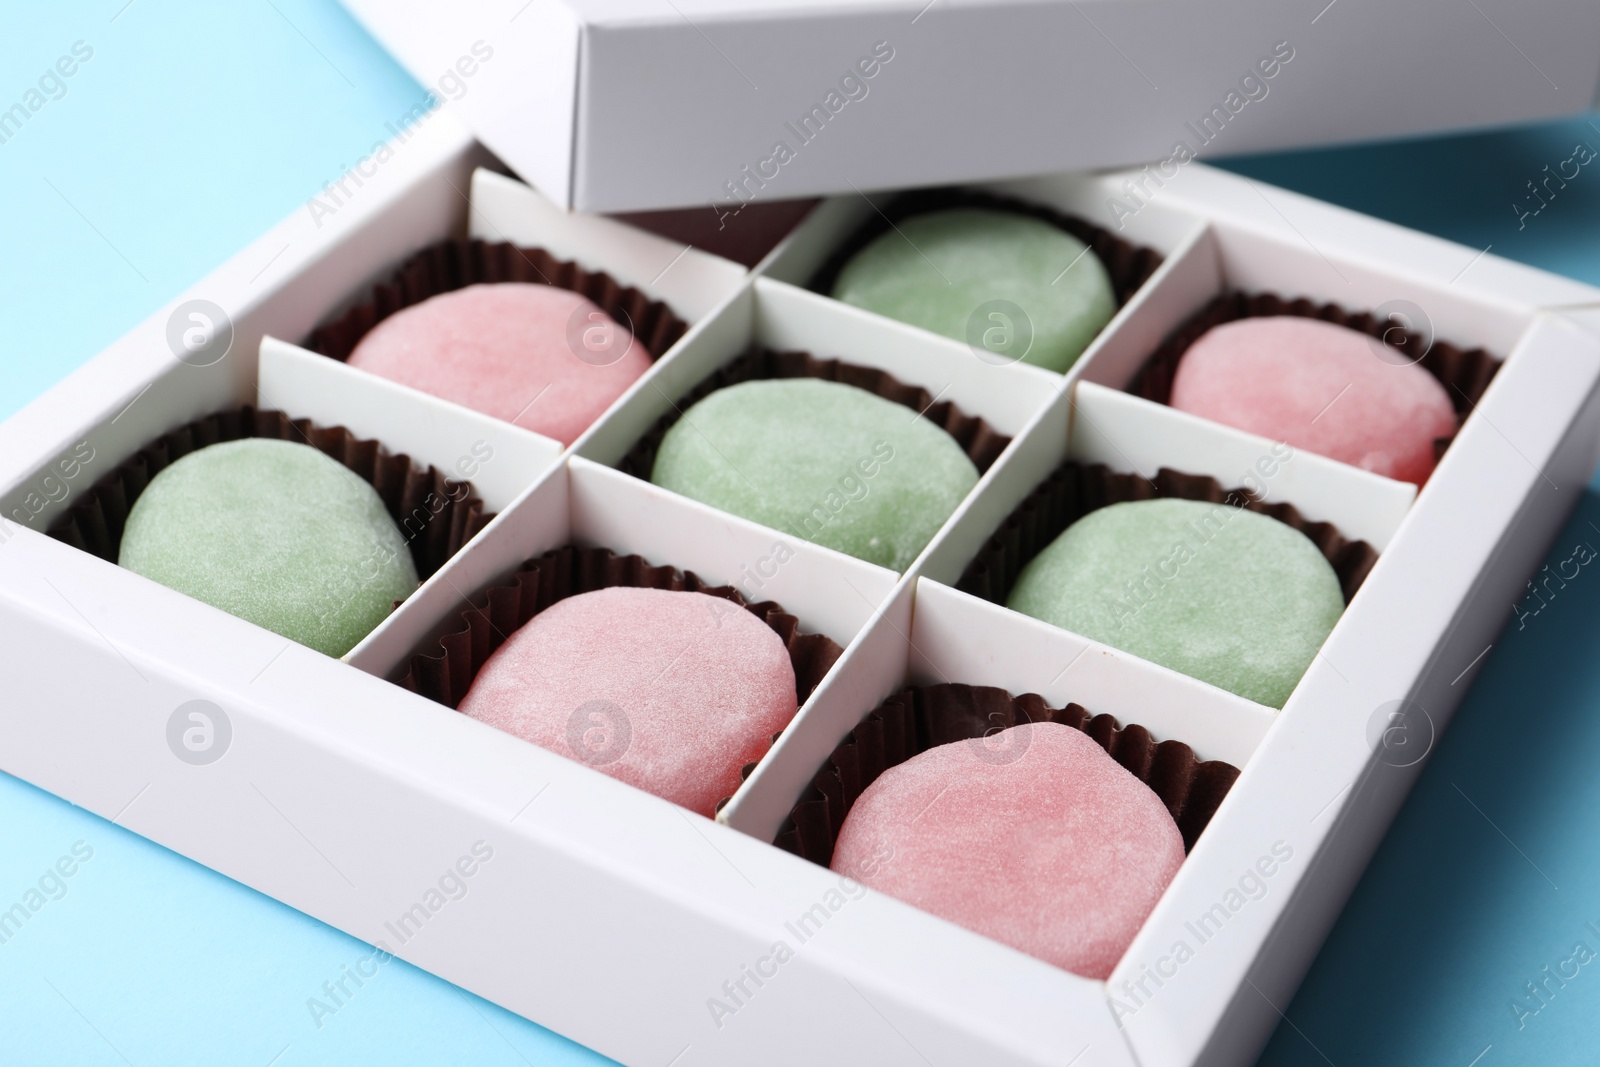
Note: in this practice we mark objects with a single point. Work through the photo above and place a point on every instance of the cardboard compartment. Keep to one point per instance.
(781, 318)
(494, 460)
(1132, 436)
(815, 247)
(586, 504)
(655, 288)
(948, 636)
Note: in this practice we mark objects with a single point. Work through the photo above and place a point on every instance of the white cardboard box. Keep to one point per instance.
(625, 105)
(616, 918)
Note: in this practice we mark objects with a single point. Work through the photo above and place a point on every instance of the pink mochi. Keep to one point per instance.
(1320, 387)
(540, 357)
(670, 692)
(1033, 837)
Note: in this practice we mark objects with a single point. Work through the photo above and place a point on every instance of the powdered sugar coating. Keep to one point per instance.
(1321, 387)
(670, 692)
(274, 532)
(509, 350)
(828, 462)
(940, 269)
(1220, 593)
(1033, 837)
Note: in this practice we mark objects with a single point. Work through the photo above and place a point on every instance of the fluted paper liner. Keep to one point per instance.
(922, 717)
(456, 264)
(1074, 489)
(443, 669)
(1464, 372)
(1128, 265)
(980, 441)
(409, 494)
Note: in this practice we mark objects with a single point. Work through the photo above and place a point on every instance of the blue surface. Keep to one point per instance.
(195, 127)
(192, 129)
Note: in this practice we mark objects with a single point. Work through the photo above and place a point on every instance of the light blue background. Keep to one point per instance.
(196, 126)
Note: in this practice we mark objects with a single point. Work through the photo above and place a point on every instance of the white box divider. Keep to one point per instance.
(1468, 295)
(687, 280)
(592, 505)
(948, 636)
(499, 459)
(959, 638)
(1134, 435)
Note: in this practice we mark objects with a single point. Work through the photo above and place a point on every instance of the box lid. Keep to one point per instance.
(628, 105)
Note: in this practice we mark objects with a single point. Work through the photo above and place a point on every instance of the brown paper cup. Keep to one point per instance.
(1075, 489)
(922, 717)
(443, 669)
(456, 264)
(1464, 372)
(436, 514)
(981, 442)
(1128, 265)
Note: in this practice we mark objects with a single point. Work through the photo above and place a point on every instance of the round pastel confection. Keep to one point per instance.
(1325, 388)
(1033, 837)
(540, 357)
(827, 462)
(1214, 591)
(671, 692)
(964, 273)
(274, 532)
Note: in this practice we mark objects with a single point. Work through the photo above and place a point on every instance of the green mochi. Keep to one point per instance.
(274, 532)
(826, 462)
(1213, 591)
(963, 273)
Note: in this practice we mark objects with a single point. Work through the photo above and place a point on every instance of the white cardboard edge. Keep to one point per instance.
(870, 669)
(687, 280)
(1451, 282)
(540, 519)
(497, 457)
(592, 505)
(623, 105)
(828, 591)
(1131, 434)
(959, 638)
(1007, 396)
